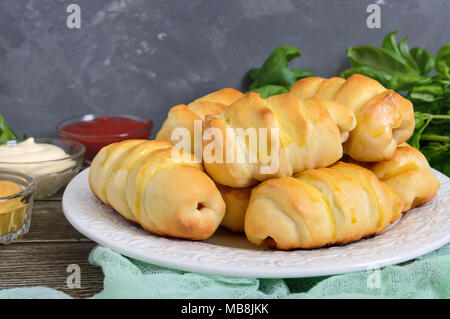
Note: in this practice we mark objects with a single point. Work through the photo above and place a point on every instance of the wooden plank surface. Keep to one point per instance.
(48, 224)
(42, 256)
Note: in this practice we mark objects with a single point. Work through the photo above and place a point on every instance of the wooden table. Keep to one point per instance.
(42, 256)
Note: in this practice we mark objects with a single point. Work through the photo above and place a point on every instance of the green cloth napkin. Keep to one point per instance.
(425, 277)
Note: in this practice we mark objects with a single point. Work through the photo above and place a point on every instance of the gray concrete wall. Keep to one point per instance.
(142, 57)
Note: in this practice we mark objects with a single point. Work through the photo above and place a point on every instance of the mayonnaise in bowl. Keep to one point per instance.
(51, 162)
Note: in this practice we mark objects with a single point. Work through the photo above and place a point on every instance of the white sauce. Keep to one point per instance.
(35, 160)
(29, 151)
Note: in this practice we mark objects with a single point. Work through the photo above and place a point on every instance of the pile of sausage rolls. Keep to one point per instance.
(345, 171)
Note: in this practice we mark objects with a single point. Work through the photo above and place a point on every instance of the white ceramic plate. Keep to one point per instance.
(418, 232)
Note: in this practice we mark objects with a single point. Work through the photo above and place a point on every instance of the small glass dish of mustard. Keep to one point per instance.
(17, 192)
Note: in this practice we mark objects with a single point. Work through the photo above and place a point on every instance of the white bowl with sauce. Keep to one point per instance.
(51, 162)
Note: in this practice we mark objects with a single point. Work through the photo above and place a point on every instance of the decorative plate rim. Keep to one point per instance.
(419, 231)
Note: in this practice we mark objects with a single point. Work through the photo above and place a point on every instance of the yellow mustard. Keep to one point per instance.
(12, 211)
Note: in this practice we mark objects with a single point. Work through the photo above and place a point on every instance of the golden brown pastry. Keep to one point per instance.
(183, 116)
(236, 202)
(142, 181)
(409, 175)
(320, 207)
(310, 133)
(384, 118)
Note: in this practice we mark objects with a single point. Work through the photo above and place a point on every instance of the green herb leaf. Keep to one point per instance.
(377, 58)
(381, 76)
(6, 133)
(390, 43)
(443, 62)
(424, 59)
(300, 74)
(275, 72)
(404, 50)
(394, 65)
(426, 93)
(269, 90)
(404, 82)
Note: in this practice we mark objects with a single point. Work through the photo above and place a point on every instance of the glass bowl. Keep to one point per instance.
(50, 175)
(15, 209)
(93, 138)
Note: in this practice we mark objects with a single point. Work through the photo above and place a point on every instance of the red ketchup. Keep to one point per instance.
(95, 132)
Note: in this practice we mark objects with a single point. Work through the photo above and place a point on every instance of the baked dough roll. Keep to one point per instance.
(409, 175)
(142, 181)
(297, 135)
(384, 118)
(183, 116)
(320, 207)
(236, 202)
